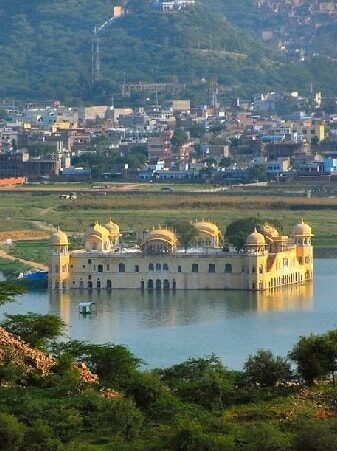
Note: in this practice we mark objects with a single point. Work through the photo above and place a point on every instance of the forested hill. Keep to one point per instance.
(45, 49)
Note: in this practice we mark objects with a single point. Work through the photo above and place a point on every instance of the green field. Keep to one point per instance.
(11, 269)
(35, 250)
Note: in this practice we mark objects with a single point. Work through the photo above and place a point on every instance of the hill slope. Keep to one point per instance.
(46, 50)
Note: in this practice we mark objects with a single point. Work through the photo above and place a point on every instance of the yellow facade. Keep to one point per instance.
(267, 261)
(63, 125)
(310, 131)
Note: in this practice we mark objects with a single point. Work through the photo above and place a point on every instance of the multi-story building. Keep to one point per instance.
(267, 261)
(160, 147)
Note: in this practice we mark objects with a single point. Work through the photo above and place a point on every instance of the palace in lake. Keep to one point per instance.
(268, 260)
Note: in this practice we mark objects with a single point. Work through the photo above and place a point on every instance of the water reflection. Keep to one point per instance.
(158, 309)
(294, 297)
(165, 328)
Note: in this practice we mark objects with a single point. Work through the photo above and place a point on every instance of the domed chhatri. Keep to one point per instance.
(58, 238)
(208, 234)
(163, 234)
(302, 229)
(97, 238)
(114, 232)
(207, 227)
(255, 239)
(267, 261)
(113, 228)
(98, 230)
(160, 241)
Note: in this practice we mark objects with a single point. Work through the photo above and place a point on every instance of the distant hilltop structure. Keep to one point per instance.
(172, 5)
(267, 261)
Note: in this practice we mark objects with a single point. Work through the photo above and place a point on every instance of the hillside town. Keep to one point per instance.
(246, 141)
(296, 26)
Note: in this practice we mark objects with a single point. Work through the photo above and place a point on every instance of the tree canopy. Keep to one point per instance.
(34, 328)
(216, 39)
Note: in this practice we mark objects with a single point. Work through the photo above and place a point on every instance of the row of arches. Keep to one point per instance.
(159, 284)
(289, 279)
(151, 284)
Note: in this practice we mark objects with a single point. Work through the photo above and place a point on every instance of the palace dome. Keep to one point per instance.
(98, 231)
(302, 229)
(162, 235)
(208, 228)
(270, 231)
(58, 238)
(255, 239)
(112, 228)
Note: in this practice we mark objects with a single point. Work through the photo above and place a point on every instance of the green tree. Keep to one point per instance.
(146, 389)
(115, 364)
(314, 435)
(257, 173)
(203, 381)
(263, 437)
(192, 369)
(10, 371)
(39, 437)
(237, 231)
(266, 369)
(179, 138)
(315, 357)
(34, 328)
(226, 162)
(188, 435)
(8, 292)
(197, 130)
(11, 433)
(185, 231)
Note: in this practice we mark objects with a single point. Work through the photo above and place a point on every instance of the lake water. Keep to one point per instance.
(166, 328)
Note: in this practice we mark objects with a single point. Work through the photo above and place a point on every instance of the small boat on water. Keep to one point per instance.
(87, 308)
(34, 278)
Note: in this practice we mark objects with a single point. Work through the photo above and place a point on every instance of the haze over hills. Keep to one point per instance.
(46, 50)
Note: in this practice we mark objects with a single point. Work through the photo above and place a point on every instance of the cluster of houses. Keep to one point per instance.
(236, 143)
(292, 24)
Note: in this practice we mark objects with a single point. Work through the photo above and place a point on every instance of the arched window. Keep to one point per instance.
(261, 269)
(165, 267)
(151, 267)
(108, 284)
(211, 267)
(121, 267)
(98, 285)
(229, 268)
(158, 284)
(166, 285)
(100, 268)
(89, 284)
(81, 284)
(158, 267)
(174, 285)
(150, 284)
(195, 267)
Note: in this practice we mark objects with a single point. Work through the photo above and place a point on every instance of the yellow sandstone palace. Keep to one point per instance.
(268, 260)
